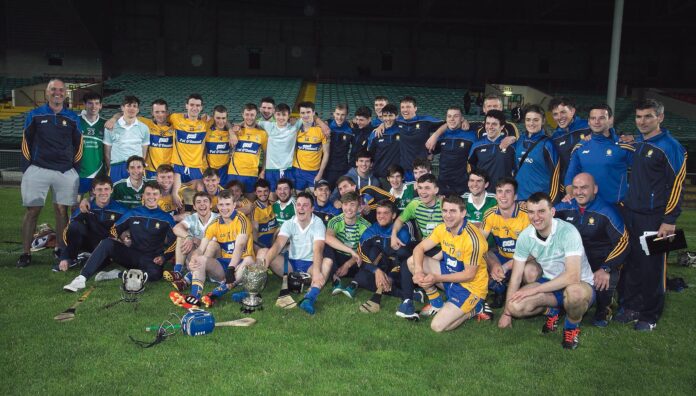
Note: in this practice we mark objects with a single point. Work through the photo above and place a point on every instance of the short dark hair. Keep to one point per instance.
(202, 194)
(263, 183)
(91, 95)
(390, 109)
(220, 109)
(385, 203)
(363, 154)
(351, 196)
(480, 173)
(135, 158)
(601, 106)
(165, 168)
(160, 102)
(363, 111)
(284, 180)
(250, 106)
(561, 101)
(345, 178)
(195, 96)
(130, 99)
(210, 172)
(342, 106)
(395, 168)
(456, 108)
(282, 108)
(533, 108)
(306, 104)
(268, 99)
(649, 103)
(428, 178)
(422, 163)
(455, 199)
(235, 183)
(540, 196)
(507, 180)
(152, 185)
(498, 115)
(382, 97)
(225, 194)
(305, 194)
(101, 179)
(409, 99)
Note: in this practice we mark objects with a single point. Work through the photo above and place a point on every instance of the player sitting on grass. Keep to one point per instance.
(460, 269)
(165, 179)
(263, 218)
(190, 232)
(478, 199)
(209, 184)
(306, 234)
(228, 239)
(381, 270)
(559, 276)
(150, 233)
(323, 207)
(87, 229)
(403, 192)
(342, 237)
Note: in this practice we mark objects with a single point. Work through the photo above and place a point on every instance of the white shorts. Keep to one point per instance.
(37, 181)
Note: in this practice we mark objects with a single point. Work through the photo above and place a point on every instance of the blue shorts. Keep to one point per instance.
(118, 172)
(247, 181)
(273, 175)
(559, 293)
(224, 263)
(188, 174)
(461, 297)
(303, 179)
(85, 185)
(300, 265)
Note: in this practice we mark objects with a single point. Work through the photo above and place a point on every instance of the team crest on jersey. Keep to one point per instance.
(649, 154)
(344, 137)
(191, 129)
(461, 144)
(417, 126)
(65, 123)
(609, 152)
(398, 137)
(157, 225)
(113, 217)
(590, 221)
(582, 136)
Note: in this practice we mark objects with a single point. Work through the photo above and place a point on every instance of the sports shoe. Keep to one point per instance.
(349, 291)
(570, 338)
(626, 316)
(184, 301)
(551, 324)
(81, 259)
(307, 305)
(209, 300)
(429, 310)
(24, 260)
(239, 296)
(643, 325)
(419, 296)
(337, 288)
(602, 318)
(76, 284)
(407, 310)
(107, 275)
(484, 312)
(172, 276)
(498, 300)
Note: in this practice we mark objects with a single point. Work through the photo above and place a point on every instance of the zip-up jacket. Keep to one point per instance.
(509, 129)
(386, 150)
(375, 249)
(487, 155)
(339, 149)
(454, 147)
(99, 220)
(151, 231)
(414, 133)
(360, 137)
(51, 141)
(540, 169)
(565, 139)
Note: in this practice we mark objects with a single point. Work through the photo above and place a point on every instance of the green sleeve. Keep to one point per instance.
(409, 212)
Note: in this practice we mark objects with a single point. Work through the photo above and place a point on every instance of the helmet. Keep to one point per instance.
(133, 284)
(298, 282)
(44, 238)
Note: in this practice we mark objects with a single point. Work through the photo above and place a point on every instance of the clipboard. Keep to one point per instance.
(652, 245)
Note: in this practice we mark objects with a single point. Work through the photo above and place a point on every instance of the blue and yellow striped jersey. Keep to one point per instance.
(266, 220)
(308, 149)
(189, 142)
(247, 153)
(217, 147)
(161, 144)
(505, 231)
(225, 234)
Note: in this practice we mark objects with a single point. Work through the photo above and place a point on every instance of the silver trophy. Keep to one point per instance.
(253, 281)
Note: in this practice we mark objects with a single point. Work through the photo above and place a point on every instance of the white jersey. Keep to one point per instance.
(281, 144)
(302, 240)
(196, 228)
(564, 241)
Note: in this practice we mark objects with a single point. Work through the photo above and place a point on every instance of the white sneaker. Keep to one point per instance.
(107, 275)
(76, 284)
(429, 310)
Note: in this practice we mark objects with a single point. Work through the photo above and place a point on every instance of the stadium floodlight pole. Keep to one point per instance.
(615, 52)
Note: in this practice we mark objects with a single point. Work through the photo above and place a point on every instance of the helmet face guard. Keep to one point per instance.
(299, 282)
(133, 285)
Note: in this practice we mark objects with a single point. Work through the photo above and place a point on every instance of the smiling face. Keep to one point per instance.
(339, 115)
(160, 113)
(267, 109)
(584, 189)
(452, 215)
(396, 179)
(408, 110)
(388, 119)
(563, 115)
(202, 206)
(505, 196)
(350, 209)
(321, 193)
(194, 108)
(346, 186)
(220, 120)
(150, 197)
(599, 120)
(427, 192)
(454, 119)
(533, 122)
(55, 93)
(225, 207)
(165, 180)
(249, 117)
(262, 194)
(283, 192)
(102, 193)
(379, 105)
(92, 107)
(541, 216)
(303, 208)
(211, 184)
(384, 216)
(363, 165)
(130, 110)
(477, 185)
(362, 121)
(136, 170)
(307, 115)
(281, 118)
(492, 104)
(493, 128)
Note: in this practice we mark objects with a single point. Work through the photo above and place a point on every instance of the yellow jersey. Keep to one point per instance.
(505, 231)
(167, 204)
(308, 149)
(464, 248)
(189, 146)
(266, 220)
(217, 147)
(247, 153)
(159, 152)
(225, 234)
(187, 192)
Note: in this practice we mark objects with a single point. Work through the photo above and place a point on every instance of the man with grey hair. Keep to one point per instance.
(51, 153)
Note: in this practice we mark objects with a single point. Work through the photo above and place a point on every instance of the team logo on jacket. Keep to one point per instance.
(417, 126)
(461, 144)
(344, 137)
(649, 154)
(398, 137)
(590, 221)
(65, 123)
(157, 225)
(609, 152)
(113, 217)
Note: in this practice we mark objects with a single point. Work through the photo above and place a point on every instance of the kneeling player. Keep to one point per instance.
(461, 271)
(229, 238)
(561, 277)
(306, 233)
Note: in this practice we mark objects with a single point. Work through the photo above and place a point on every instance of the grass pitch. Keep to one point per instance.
(337, 351)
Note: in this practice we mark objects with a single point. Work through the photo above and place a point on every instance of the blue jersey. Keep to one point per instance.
(607, 161)
(601, 227)
(414, 133)
(454, 147)
(657, 175)
(326, 212)
(51, 140)
(339, 148)
(540, 169)
(100, 220)
(487, 155)
(151, 230)
(385, 150)
(360, 138)
(565, 139)
(375, 248)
